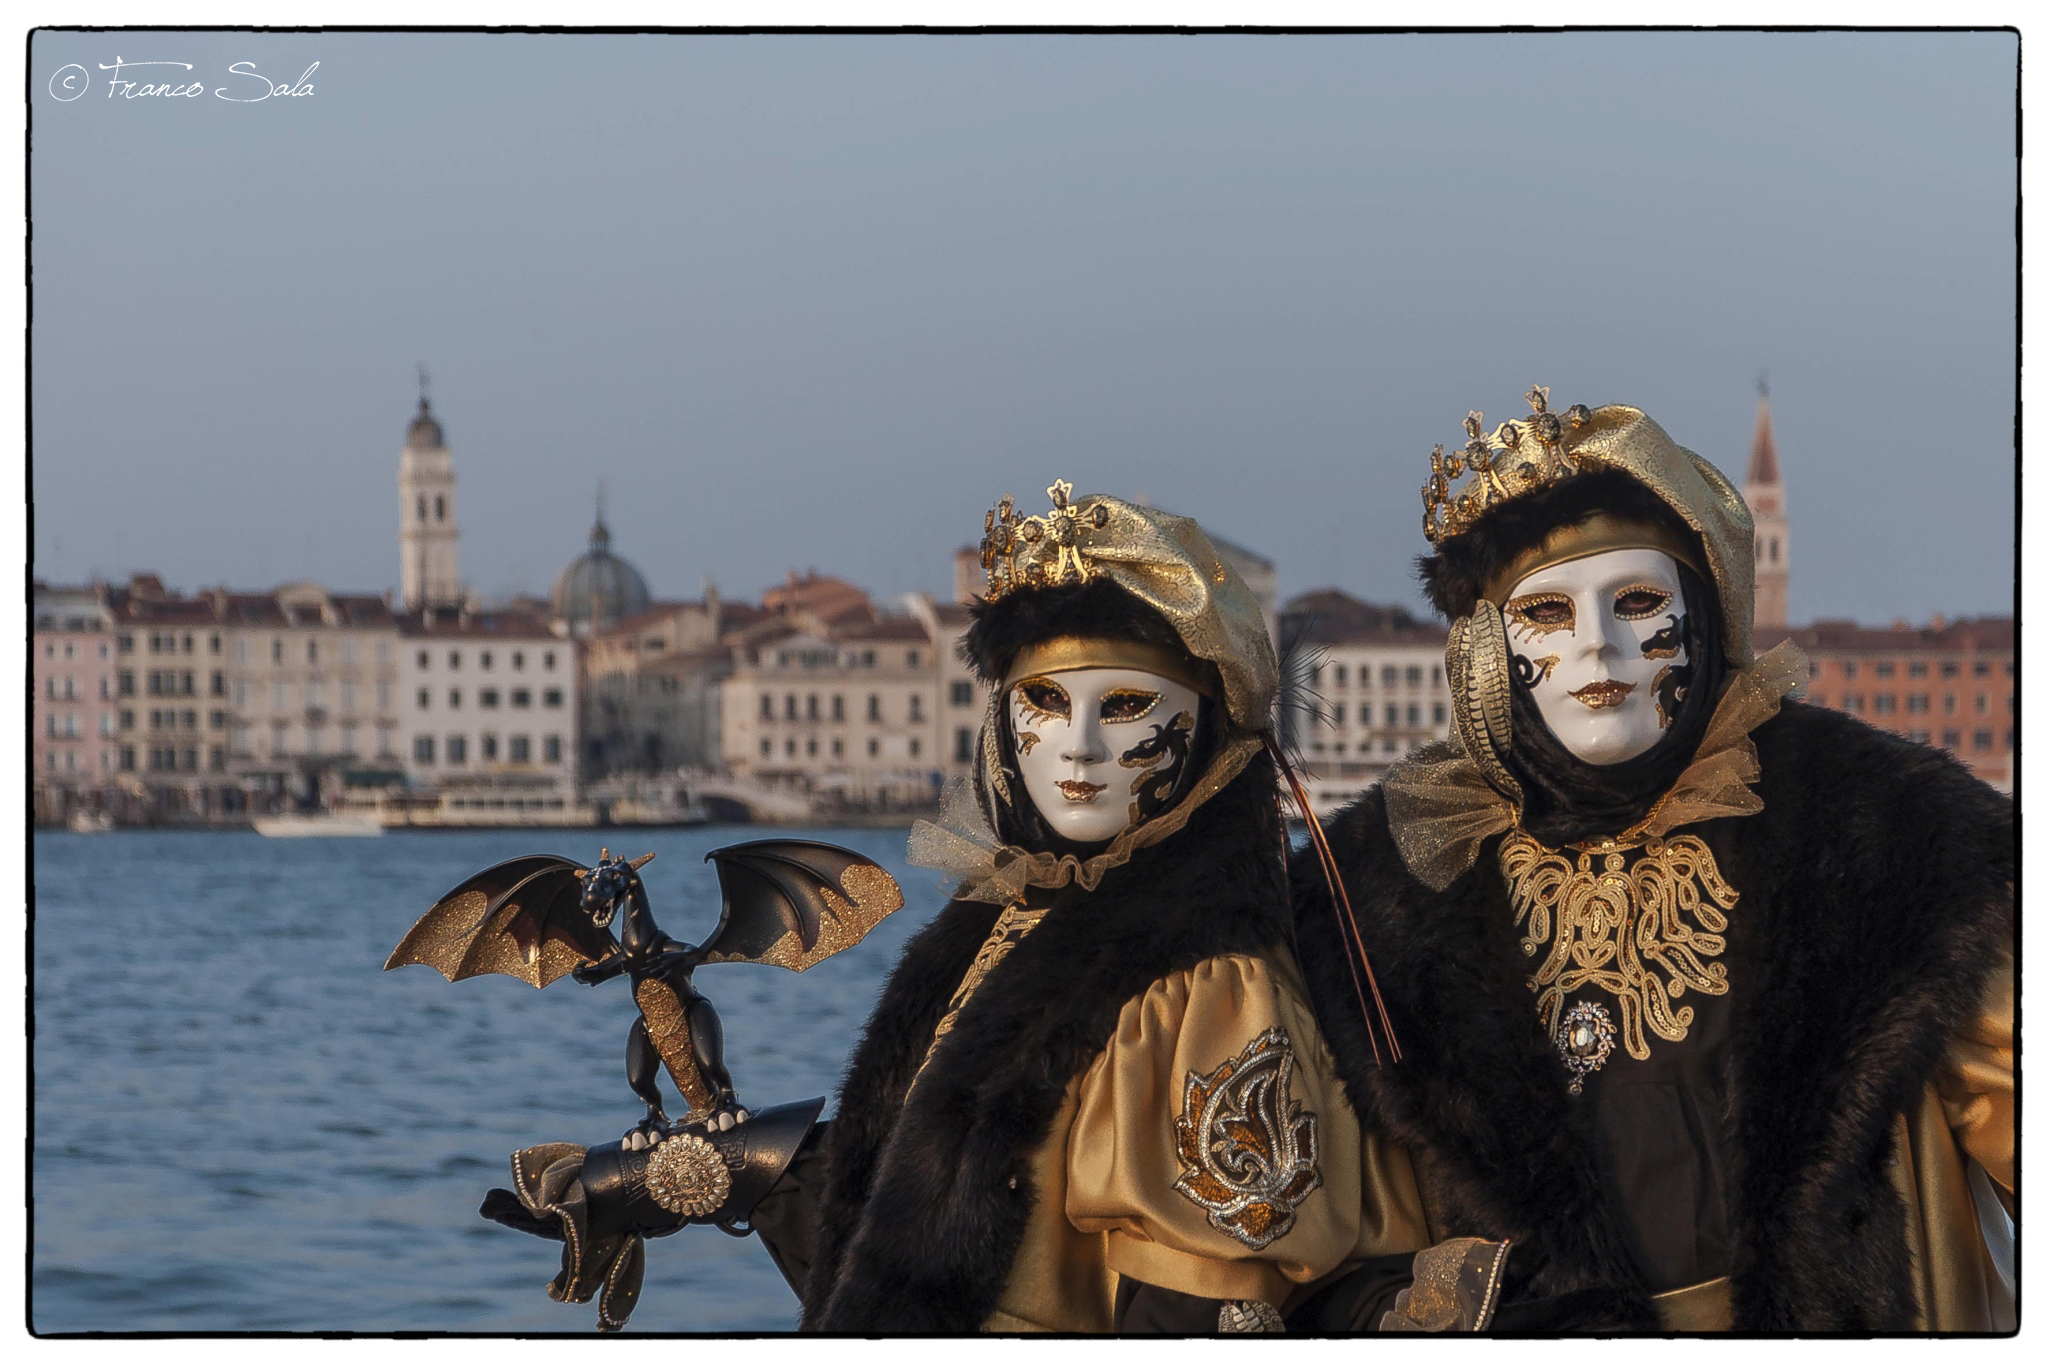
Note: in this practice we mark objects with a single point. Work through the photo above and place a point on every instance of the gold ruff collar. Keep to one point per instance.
(1440, 807)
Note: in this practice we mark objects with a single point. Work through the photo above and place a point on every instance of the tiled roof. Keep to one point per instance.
(1991, 634)
(1329, 616)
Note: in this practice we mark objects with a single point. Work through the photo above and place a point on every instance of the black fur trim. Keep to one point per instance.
(1876, 894)
(926, 1200)
(1455, 575)
(1098, 609)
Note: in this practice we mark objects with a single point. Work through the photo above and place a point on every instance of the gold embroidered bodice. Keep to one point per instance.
(1639, 918)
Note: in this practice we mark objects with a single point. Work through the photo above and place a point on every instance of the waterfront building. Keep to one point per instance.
(651, 687)
(834, 699)
(1764, 491)
(1363, 685)
(74, 744)
(487, 704)
(597, 590)
(308, 679)
(1947, 683)
(428, 540)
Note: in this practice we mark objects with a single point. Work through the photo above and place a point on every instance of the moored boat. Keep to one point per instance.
(317, 827)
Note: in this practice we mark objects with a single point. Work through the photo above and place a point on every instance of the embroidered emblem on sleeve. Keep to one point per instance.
(1247, 1151)
(1248, 1315)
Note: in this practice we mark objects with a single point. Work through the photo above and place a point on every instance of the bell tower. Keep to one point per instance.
(1765, 493)
(427, 538)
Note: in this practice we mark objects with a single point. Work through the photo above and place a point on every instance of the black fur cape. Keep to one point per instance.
(925, 1203)
(1876, 894)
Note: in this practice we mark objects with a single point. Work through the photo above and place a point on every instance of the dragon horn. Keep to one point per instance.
(641, 861)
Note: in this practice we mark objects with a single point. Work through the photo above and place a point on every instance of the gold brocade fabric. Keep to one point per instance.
(1009, 930)
(1953, 1169)
(983, 868)
(1440, 807)
(1105, 1177)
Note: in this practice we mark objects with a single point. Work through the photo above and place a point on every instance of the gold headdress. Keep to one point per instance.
(1545, 448)
(1037, 551)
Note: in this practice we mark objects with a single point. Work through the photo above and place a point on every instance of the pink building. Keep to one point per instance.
(75, 749)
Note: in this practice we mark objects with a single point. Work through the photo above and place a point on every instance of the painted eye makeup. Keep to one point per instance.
(1540, 613)
(1121, 705)
(1042, 699)
(1640, 601)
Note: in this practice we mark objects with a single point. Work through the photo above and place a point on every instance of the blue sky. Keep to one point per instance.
(817, 301)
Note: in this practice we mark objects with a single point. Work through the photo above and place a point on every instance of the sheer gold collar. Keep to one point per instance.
(1440, 807)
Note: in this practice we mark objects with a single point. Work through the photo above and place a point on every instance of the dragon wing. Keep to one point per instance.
(521, 918)
(794, 902)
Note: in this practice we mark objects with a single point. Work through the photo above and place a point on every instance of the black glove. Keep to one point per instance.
(603, 1202)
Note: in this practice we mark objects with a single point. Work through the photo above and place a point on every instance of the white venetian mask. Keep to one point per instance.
(1601, 643)
(1101, 748)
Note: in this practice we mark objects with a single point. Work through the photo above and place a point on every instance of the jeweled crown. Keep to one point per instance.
(1519, 457)
(1038, 552)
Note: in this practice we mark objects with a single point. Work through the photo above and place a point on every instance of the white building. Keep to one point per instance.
(487, 700)
(1364, 685)
(427, 537)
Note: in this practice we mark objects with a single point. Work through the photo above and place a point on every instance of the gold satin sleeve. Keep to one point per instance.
(1975, 1082)
(1127, 1178)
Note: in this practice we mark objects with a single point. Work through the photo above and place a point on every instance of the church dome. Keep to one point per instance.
(597, 581)
(425, 432)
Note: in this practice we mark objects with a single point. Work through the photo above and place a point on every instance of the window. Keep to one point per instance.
(767, 748)
(767, 706)
(1983, 703)
(1337, 714)
(521, 697)
(838, 748)
(916, 708)
(1951, 739)
(1886, 703)
(1415, 675)
(910, 658)
(874, 706)
(518, 660)
(483, 660)
(277, 749)
(454, 660)
(127, 720)
(1949, 668)
(874, 747)
(1980, 669)
(107, 724)
(1917, 736)
(487, 747)
(424, 699)
(1393, 715)
(487, 697)
(458, 749)
(1342, 675)
(454, 699)
(916, 746)
(126, 683)
(963, 693)
(422, 661)
(963, 745)
(440, 507)
(811, 747)
(811, 706)
(1436, 714)
(126, 644)
(1852, 701)
(1389, 675)
(348, 696)
(838, 706)
(313, 692)
(1436, 675)
(276, 651)
(1885, 669)
(1981, 741)
(1917, 669)
(1414, 712)
(1849, 669)
(551, 749)
(312, 651)
(789, 748)
(216, 720)
(789, 707)
(522, 749)
(1917, 703)
(217, 685)
(547, 661)
(127, 752)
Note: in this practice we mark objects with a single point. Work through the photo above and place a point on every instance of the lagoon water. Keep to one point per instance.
(242, 1123)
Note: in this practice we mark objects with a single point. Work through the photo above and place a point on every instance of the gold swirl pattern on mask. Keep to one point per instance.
(1644, 931)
